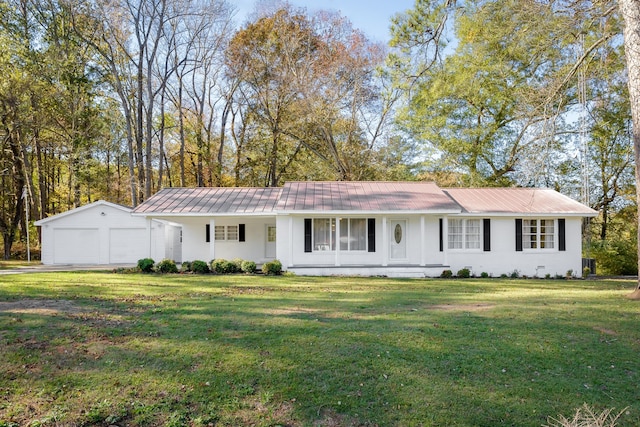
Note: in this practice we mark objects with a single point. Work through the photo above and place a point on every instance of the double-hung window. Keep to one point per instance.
(353, 234)
(464, 233)
(538, 233)
(324, 234)
(226, 232)
(356, 234)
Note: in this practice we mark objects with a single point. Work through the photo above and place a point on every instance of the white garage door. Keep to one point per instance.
(76, 246)
(127, 245)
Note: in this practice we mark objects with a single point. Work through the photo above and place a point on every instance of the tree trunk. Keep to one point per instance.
(630, 10)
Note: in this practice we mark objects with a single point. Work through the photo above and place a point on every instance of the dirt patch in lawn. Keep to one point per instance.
(40, 306)
(605, 330)
(461, 307)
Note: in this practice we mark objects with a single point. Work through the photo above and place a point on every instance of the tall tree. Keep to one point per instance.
(500, 91)
(310, 85)
(630, 10)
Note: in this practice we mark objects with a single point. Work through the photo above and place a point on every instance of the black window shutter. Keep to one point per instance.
(307, 234)
(486, 230)
(441, 226)
(241, 233)
(518, 235)
(562, 240)
(371, 234)
(207, 234)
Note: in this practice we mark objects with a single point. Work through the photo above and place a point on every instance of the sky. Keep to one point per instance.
(370, 16)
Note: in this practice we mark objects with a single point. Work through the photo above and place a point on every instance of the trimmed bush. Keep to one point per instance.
(272, 268)
(167, 266)
(199, 267)
(248, 267)
(447, 274)
(222, 266)
(146, 265)
(185, 267)
(464, 273)
(237, 263)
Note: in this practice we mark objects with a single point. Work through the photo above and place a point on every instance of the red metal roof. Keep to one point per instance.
(211, 200)
(516, 201)
(364, 196)
(358, 196)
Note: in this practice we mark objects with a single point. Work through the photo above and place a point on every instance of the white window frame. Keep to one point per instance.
(226, 233)
(323, 240)
(322, 244)
(346, 226)
(464, 234)
(539, 234)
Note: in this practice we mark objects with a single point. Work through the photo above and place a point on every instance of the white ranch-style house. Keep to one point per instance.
(401, 229)
(378, 228)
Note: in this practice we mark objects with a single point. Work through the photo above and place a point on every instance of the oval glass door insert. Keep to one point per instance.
(398, 233)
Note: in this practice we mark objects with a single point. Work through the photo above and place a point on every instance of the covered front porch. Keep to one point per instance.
(396, 271)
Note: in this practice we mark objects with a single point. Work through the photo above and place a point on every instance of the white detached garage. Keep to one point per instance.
(106, 233)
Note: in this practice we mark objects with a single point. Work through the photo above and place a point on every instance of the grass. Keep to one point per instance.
(143, 350)
(5, 265)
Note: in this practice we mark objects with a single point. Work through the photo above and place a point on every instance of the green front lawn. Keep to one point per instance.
(109, 349)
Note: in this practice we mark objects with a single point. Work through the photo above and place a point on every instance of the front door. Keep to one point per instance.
(398, 240)
(270, 249)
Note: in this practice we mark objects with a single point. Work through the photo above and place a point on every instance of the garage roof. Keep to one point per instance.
(80, 209)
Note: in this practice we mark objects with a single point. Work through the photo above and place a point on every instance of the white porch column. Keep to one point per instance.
(337, 261)
(445, 240)
(385, 242)
(212, 239)
(290, 240)
(149, 239)
(422, 243)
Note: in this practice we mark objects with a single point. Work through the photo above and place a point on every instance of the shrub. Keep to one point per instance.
(514, 274)
(146, 265)
(484, 275)
(217, 265)
(185, 267)
(199, 267)
(586, 272)
(616, 257)
(446, 274)
(464, 273)
(272, 268)
(166, 266)
(248, 267)
(237, 264)
(222, 266)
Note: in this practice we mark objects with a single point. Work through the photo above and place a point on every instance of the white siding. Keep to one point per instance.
(195, 247)
(100, 233)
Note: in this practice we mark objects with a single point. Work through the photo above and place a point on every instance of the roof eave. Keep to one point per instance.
(369, 212)
(200, 214)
